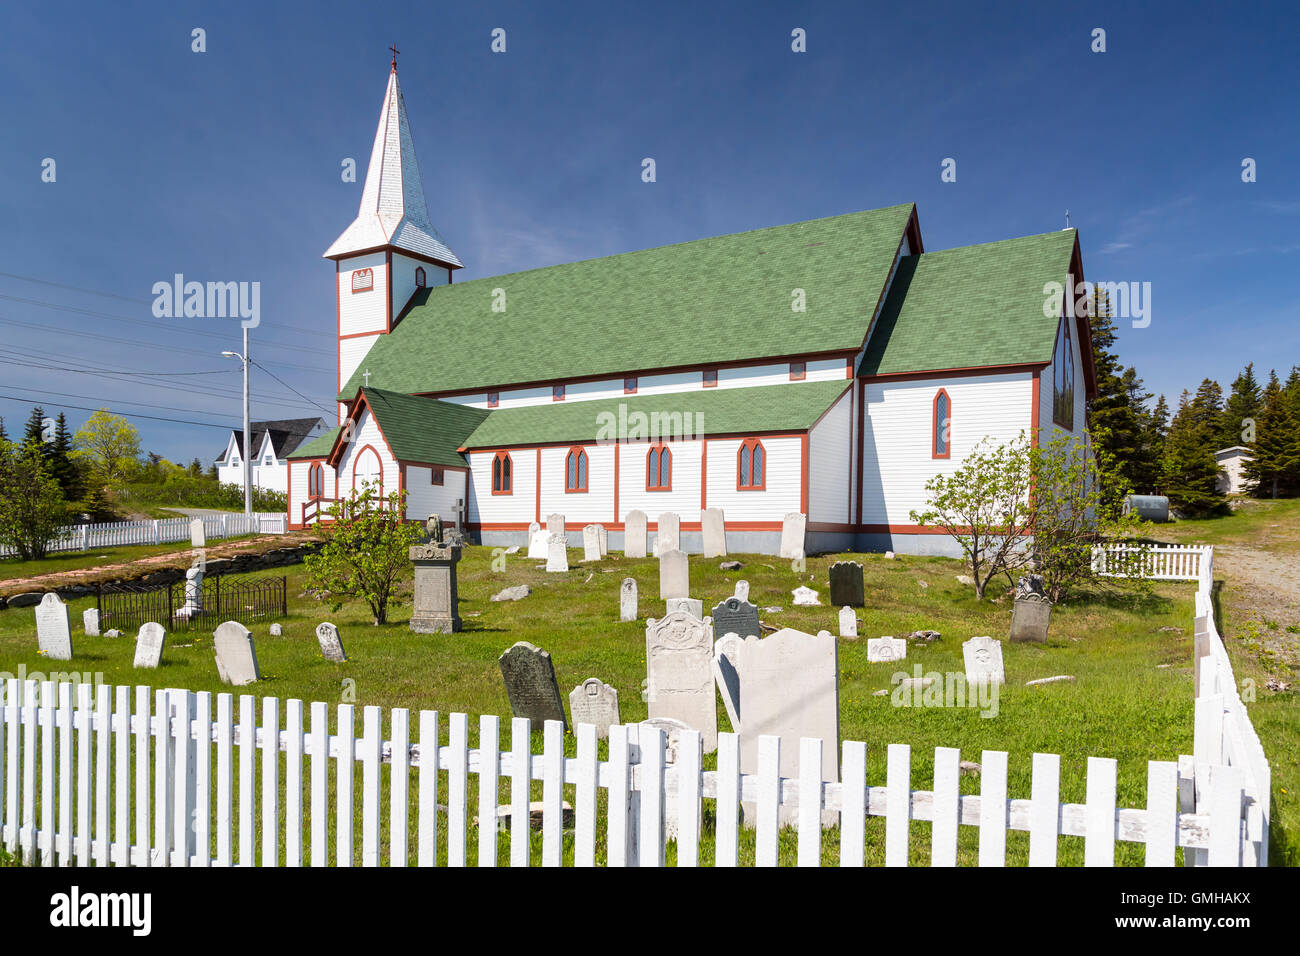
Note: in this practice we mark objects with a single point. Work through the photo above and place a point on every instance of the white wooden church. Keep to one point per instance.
(827, 367)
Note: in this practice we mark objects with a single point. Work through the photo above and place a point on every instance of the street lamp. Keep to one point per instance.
(248, 450)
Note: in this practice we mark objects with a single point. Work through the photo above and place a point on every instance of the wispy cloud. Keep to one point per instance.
(1145, 223)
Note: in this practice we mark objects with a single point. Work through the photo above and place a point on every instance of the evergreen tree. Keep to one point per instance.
(1240, 410)
(1115, 416)
(1207, 411)
(62, 466)
(1274, 469)
(196, 469)
(1154, 431)
(35, 430)
(4, 436)
(1189, 470)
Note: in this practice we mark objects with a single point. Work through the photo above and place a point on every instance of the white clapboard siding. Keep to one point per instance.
(115, 534)
(830, 461)
(360, 455)
(423, 498)
(783, 477)
(593, 506)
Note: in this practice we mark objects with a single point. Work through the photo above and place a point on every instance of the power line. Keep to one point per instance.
(114, 402)
(156, 418)
(292, 389)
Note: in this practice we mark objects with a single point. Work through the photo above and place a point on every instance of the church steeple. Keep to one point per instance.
(393, 212)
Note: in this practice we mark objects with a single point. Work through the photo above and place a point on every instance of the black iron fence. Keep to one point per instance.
(128, 606)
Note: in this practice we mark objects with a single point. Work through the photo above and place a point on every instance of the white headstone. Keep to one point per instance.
(604, 540)
(236, 656)
(594, 702)
(881, 650)
(149, 645)
(197, 537)
(52, 632)
(331, 645)
(557, 553)
(805, 596)
(713, 527)
(537, 543)
(533, 526)
(674, 575)
(627, 607)
(848, 622)
(555, 524)
(634, 534)
(669, 536)
(983, 659)
(790, 685)
(692, 606)
(742, 589)
(275, 630)
(591, 543)
(726, 672)
(90, 621)
(679, 671)
(792, 535)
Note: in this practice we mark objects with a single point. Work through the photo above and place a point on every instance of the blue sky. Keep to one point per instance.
(225, 165)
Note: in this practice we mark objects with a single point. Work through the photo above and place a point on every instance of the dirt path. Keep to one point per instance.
(1262, 593)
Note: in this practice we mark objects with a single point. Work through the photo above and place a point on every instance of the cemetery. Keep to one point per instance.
(693, 645)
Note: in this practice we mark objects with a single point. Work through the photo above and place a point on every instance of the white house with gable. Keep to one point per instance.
(273, 442)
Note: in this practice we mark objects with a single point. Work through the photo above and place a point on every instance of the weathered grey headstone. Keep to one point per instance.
(197, 536)
(52, 632)
(848, 622)
(90, 621)
(537, 543)
(530, 684)
(634, 534)
(627, 606)
(792, 535)
(236, 656)
(734, 616)
(436, 602)
(557, 553)
(591, 543)
(672, 731)
(726, 672)
(790, 686)
(882, 650)
(604, 539)
(983, 659)
(805, 596)
(713, 526)
(742, 589)
(276, 630)
(149, 645)
(669, 536)
(594, 702)
(692, 606)
(679, 667)
(555, 524)
(1030, 617)
(846, 584)
(674, 575)
(331, 645)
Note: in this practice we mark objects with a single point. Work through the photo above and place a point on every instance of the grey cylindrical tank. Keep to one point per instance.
(1148, 507)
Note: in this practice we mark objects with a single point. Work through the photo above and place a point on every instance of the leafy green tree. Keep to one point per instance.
(32, 509)
(1189, 470)
(1274, 469)
(366, 551)
(110, 445)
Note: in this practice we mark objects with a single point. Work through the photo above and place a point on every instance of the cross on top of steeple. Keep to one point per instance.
(394, 49)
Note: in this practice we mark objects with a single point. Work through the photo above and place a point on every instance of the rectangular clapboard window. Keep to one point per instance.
(435, 476)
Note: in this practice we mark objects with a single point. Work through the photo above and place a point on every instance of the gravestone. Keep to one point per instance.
(436, 603)
(627, 609)
(90, 621)
(983, 659)
(236, 656)
(555, 524)
(674, 575)
(669, 536)
(790, 685)
(634, 534)
(734, 616)
(848, 622)
(846, 584)
(1030, 617)
(742, 589)
(530, 684)
(793, 526)
(604, 539)
(679, 669)
(193, 593)
(692, 606)
(882, 650)
(594, 702)
(52, 632)
(714, 528)
(805, 596)
(197, 537)
(591, 543)
(331, 645)
(726, 672)
(557, 553)
(149, 645)
(537, 543)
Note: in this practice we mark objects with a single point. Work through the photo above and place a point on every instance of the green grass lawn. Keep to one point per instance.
(1123, 705)
(1262, 523)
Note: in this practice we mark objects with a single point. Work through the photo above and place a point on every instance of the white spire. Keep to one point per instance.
(392, 204)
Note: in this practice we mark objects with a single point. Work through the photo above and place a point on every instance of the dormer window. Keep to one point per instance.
(363, 280)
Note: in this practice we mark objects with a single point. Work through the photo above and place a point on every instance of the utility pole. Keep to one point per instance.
(248, 438)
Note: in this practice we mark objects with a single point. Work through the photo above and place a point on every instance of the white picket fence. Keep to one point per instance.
(112, 534)
(1163, 562)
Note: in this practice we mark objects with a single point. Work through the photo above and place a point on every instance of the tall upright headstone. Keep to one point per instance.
(52, 632)
(669, 536)
(692, 606)
(591, 543)
(555, 523)
(734, 616)
(1031, 614)
(557, 552)
(793, 526)
(726, 672)
(198, 538)
(846, 584)
(90, 621)
(674, 575)
(790, 688)
(436, 603)
(742, 589)
(529, 676)
(537, 541)
(983, 659)
(604, 539)
(713, 527)
(627, 603)
(236, 657)
(331, 645)
(149, 645)
(634, 534)
(848, 622)
(679, 672)
(594, 702)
